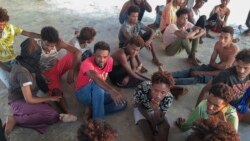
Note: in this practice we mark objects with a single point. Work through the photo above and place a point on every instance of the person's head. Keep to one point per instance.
(224, 2)
(95, 130)
(182, 17)
(199, 3)
(226, 36)
(50, 38)
(4, 18)
(87, 35)
(213, 129)
(134, 45)
(242, 63)
(219, 97)
(101, 53)
(161, 84)
(133, 13)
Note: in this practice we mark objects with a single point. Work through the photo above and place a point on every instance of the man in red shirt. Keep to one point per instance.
(92, 89)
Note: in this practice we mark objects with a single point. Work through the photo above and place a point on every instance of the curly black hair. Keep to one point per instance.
(4, 17)
(222, 91)
(163, 77)
(243, 55)
(95, 130)
(50, 34)
(137, 40)
(86, 33)
(101, 45)
(213, 129)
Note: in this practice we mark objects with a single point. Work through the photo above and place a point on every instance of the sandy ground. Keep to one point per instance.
(33, 15)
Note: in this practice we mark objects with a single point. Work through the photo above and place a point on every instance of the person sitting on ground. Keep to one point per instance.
(176, 37)
(86, 36)
(247, 32)
(92, 88)
(218, 17)
(95, 130)
(152, 99)
(142, 4)
(217, 104)
(29, 110)
(195, 18)
(52, 67)
(168, 15)
(225, 49)
(133, 27)
(8, 32)
(237, 77)
(124, 72)
(213, 129)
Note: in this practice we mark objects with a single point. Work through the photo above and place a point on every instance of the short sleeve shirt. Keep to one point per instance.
(141, 96)
(169, 34)
(230, 77)
(126, 27)
(89, 64)
(19, 77)
(7, 52)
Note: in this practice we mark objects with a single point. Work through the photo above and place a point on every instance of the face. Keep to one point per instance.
(159, 91)
(225, 39)
(224, 2)
(200, 3)
(215, 104)
(242, 69)
(91, 40)
(2, 25)
(133, 18)
(182, 20)
(133, 49)
(101, 57)
(47, 47)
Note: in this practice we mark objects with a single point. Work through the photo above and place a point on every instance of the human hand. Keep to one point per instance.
(179, 122)
(117, 97)
(148, 44)
(55, 98)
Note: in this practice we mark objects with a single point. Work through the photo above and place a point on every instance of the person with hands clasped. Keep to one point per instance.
(152, 99)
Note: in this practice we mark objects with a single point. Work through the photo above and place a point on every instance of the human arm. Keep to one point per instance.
(30, 34)
(125, 8)
(224, 20)
(116, 96)
(75, 61)
(29, 98)
(152, 35)
(203, 92)
(147, 6)
(123, 61)
(189, 35)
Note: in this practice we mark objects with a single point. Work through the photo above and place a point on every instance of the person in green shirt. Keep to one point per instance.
(7, 36)
(217, 104)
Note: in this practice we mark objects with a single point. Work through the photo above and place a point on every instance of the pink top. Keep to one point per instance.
(89, 64)
(169, 34)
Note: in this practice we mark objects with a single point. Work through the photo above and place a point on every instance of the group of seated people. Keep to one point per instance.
(39, 67)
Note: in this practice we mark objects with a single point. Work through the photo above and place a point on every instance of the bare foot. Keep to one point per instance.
(9, 126)
(193, 61)
(67, 117)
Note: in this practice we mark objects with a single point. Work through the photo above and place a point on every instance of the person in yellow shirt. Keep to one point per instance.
(7, 36)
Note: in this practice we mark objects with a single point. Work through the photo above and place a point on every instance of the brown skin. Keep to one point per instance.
(242, 69)
(157, 119)
(223, 11)
(101, 57)
(226, 50)
(120, 57)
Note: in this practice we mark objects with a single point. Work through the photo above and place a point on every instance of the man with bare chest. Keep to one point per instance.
(225, 49)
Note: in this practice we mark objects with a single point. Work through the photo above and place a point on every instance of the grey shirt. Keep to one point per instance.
(19, 77)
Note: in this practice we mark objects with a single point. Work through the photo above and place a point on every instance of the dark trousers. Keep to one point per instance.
(201, 21)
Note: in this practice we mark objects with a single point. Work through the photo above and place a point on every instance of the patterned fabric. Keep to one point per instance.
(141, 96)
(7, 52)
